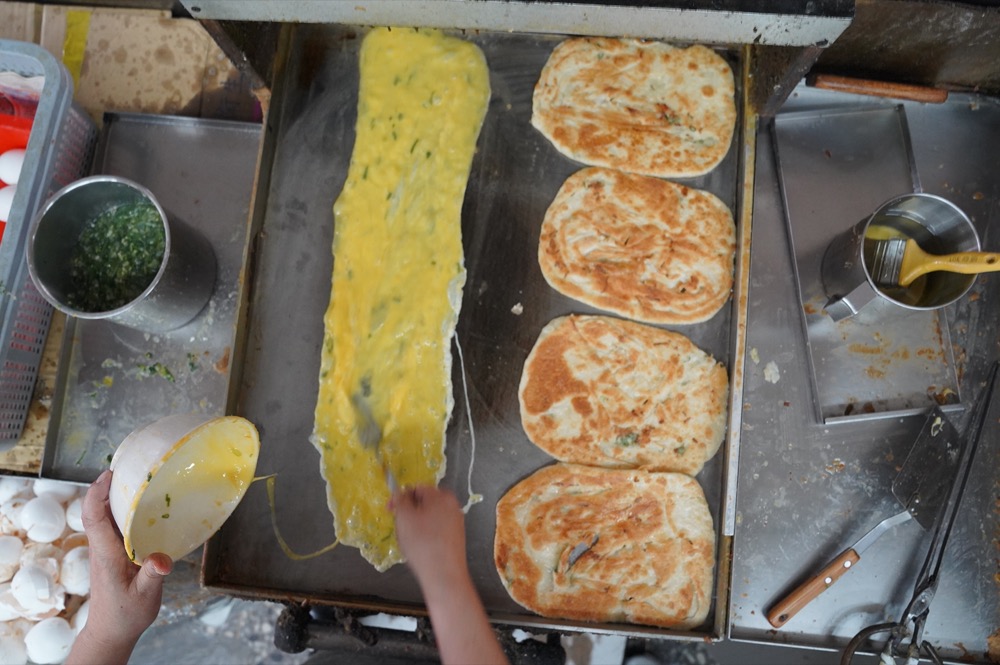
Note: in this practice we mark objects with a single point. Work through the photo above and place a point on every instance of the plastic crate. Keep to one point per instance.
(60, 150)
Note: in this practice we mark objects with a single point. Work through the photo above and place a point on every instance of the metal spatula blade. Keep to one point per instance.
(926, 477)
(369, 433)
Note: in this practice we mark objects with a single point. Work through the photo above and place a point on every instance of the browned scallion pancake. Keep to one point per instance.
(603, 545)
(641, 247)
(606, 392)
(639, 106)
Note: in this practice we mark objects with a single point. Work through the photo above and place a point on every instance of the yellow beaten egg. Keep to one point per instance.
(397, 277)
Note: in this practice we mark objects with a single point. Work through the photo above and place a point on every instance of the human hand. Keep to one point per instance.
(431, 532)
(430, 529)
(124, 598)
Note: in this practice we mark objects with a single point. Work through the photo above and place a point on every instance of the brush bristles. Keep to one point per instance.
(887, 261)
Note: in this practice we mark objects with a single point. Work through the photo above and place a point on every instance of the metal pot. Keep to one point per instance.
(937, 225)
(182, 285)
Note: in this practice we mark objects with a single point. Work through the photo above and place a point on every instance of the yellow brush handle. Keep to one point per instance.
(916, 262)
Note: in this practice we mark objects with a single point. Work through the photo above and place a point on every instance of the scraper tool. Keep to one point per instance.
(921, 486)
(369, 433)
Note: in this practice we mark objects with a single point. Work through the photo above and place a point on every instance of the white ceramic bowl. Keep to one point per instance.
(177, 480)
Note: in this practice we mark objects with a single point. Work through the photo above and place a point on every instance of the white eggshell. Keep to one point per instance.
(19, 627)
(79, 619)
(47, 564)
(11, 487)
(34, 552)
(13, 650)
(75, 571)
(36, 590)
(11, 163)
(43, 519)
(10, 609)
(7, 201)
(10, 557)
(49, 641)
(9, 628)
(59, 490)
(10, 516)
(74, 514)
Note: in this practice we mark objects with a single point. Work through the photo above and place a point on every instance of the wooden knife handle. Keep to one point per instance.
(790, 605)
(916, 93)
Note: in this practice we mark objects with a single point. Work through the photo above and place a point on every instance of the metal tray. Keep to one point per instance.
(836, 166)
(514, 177)
(113, 379)
(808, 490)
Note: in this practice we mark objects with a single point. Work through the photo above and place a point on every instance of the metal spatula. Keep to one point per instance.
(921, 486)
(898, 262)
(369, 433)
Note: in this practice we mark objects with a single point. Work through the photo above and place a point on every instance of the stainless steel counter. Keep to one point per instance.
(808, 490)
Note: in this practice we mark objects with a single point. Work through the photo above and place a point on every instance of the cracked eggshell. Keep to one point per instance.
(10, 609)
(79, 619)
(49, 641)
(48, 565)
(36, 552)
(12, 649)
(74, 515)
(10, 556)
(59, 490)
(36, 590)
(43, 519)
(10, 516)
(75, 572)
(11, 487)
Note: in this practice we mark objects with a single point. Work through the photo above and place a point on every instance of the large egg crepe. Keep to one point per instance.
(606, 392)
(638, 106)
(641, 247)
(590, 544)
(397, 276)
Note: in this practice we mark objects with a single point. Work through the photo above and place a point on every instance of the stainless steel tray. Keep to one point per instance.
(836, 166)
(113, 379)
(515, 176)
(808, 490)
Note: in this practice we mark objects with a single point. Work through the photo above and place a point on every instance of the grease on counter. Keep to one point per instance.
(771, 372)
